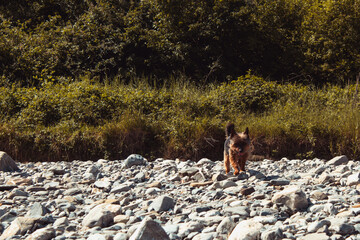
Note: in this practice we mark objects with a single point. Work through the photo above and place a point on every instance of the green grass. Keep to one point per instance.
(87, 120)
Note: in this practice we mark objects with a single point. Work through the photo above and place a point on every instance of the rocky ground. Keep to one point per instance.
(172, 199)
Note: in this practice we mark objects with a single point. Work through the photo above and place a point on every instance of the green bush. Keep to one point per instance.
(87, 120)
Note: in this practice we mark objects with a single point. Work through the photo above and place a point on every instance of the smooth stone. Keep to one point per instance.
(246, 230)
(336, 161)
(162, 203)
(134, 160)
(42, 234)
(149, 230)
(292, 197)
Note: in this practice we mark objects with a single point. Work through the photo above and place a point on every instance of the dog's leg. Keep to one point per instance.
(226, 162)
(242, 163)
(235, 165)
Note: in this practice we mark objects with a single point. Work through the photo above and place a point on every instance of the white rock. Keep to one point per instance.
(246, 230)
(353, 179)
(293, 197)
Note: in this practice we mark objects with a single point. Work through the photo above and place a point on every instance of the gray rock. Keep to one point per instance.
(17, 193)
(314, 226)
(102, 184)
(98, 217)
(292, 197)
(42, 234)
(239, 210)
(279, 182)
(7, 164)
(120, 188)
(336, 161)
(218, 177)
(318, 195)
(37, 210)
(226, 225)
(134, 160)
(343, 229)
(188, 228)
(162, 203)
(149, 230)
(274, 233)
(63, 221)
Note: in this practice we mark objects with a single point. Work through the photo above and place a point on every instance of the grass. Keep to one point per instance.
(86, 120)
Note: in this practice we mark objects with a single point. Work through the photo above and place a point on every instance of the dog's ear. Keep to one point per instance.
(230, 130)
(246, 131)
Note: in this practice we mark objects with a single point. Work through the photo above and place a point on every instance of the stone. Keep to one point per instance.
(239, 210)
(162, 203)
(226, 225)
(314, 226)
(247, 191)
(134, 160)
(63, 221)
(98, 217)
(246, 230)
(7, 164)
(187, 228)
(37, 210)
(97, 236)
(315, 236)
(120, 188)
(318, 195)
(292, 197)
(120, 236)
(149, 230)
(20, 181)
(353, 179)
(18, 227)
(339, 160)
(121, 219)
(42, 234)
(218, 177)
(279, 182)
(17, 193)
(274, 233)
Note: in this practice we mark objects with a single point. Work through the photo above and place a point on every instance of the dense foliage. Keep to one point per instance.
(68, 73)
(204, 40)
(86, 120)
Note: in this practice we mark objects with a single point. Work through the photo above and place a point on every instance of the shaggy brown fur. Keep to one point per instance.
(236, 149)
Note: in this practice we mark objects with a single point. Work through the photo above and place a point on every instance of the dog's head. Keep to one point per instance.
(239, 142)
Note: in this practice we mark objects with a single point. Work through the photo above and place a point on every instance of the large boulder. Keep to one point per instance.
(292, 197)
(134, 160)
(7, 164)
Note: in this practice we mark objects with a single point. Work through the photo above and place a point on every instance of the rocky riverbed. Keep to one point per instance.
(171, 199)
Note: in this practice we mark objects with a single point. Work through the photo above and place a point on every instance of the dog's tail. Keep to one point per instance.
(230, 129)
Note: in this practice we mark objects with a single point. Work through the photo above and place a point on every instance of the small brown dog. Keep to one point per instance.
(236, 149)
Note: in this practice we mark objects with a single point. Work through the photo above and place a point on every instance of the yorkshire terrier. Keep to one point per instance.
(236, 149)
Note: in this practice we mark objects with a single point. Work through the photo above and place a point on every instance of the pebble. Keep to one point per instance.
(171, 199)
